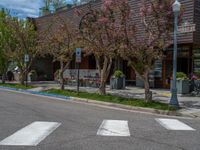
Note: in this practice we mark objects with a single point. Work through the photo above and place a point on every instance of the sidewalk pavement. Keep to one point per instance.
(190, 104)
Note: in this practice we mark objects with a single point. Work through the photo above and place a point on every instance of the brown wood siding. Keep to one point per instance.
(197, 22)
(188, 5)
(188, 15)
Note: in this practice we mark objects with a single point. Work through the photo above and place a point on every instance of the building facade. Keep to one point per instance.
(188, 42)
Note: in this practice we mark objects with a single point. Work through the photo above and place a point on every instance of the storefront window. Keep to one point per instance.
(196, 56)
(158, 69)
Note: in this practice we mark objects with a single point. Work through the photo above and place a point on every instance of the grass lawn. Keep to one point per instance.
(15, 85)
(113, 99)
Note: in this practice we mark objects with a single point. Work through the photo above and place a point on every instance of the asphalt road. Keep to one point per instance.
(80, 123)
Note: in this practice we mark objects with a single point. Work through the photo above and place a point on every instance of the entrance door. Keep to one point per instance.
(183, 65)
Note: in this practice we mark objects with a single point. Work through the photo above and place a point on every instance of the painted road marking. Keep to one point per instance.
(114, 128)
(31, 135)
(174, 124)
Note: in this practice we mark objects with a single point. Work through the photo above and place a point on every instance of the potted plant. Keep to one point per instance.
(117, 81)
(183, 83)
(198, 74)
(33, 75)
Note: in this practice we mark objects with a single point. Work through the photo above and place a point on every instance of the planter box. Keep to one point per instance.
(117, 83)
(183, 86)
(140, 82)
(197, 82)
(193, 83)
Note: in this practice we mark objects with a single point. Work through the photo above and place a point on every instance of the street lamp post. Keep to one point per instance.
(174, 100)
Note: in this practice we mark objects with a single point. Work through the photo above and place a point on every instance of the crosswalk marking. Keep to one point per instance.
(173, 124)
(31, 135)
(114, 128)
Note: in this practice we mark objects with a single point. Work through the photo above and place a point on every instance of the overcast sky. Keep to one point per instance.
(23, 8)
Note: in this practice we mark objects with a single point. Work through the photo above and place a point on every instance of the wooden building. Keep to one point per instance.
(188, 42)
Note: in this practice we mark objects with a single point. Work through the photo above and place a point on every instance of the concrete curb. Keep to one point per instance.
(36, 93)
(133, 108)
(114, 105)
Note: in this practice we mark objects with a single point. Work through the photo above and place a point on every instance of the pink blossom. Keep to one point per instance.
(102, 20)
(77, 11)
(149, 9)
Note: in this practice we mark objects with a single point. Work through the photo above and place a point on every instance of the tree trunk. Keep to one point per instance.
(102, 88)
(148, 93)
(22, 77)
(104, 75)
(62, 81)
(3, 78)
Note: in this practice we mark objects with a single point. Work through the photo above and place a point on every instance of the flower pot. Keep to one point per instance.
(117, 83)
(183, 86)
(140, 82)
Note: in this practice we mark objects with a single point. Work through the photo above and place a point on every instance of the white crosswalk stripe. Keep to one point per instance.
(35, 132)
(31, 135)
(114, 128)
(174, 124)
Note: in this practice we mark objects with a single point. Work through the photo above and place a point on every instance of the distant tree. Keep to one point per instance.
(101, 33)
(4, 36)
(61, 43)
(59, 3)
(55, 3)
(157, 22)
(79, 2)
(111, 30)
(23, 40)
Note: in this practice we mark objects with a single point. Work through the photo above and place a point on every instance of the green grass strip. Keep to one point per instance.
(113, 99)
(17, 86)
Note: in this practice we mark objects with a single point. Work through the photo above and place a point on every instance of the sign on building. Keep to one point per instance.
(78, 55)
(187, 27)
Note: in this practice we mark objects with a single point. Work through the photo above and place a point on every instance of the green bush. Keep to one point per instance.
(118, 74)
(198, 74)
(181, 76)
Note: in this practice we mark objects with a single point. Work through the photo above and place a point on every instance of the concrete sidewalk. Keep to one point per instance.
(190, 105)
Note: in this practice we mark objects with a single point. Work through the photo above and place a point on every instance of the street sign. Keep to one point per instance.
(78, 55)
(26, 58)
(78, 61)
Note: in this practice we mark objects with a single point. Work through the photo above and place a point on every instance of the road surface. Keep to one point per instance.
(36, 123)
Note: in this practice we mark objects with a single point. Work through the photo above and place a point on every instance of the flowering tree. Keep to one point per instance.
(142, 52)
(100, 30)
(61, 43)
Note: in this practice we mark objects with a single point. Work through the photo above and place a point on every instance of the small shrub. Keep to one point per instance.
(198, 74)
(118, 74)
(181, 76)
